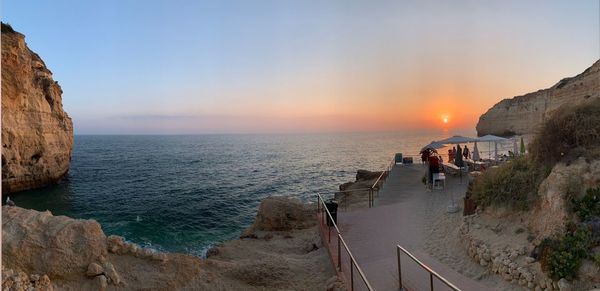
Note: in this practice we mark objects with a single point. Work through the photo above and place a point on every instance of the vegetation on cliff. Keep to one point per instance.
(557, 184)
(572, 133)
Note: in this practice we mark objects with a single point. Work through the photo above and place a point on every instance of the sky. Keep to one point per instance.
(193, 67)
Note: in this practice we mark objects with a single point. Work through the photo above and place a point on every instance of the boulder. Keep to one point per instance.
(94, 270)
(40, 243)
(589, 271)
(278, 213)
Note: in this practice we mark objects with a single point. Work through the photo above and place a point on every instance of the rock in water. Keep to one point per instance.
(37, 135)
(525, 114)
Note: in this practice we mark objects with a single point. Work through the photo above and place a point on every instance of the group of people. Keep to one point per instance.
(466, 153)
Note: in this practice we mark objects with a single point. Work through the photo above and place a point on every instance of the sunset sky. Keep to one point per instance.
(300, 66)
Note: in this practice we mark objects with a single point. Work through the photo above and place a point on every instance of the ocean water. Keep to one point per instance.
(187, 193)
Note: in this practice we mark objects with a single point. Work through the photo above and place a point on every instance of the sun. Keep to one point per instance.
(445, 120)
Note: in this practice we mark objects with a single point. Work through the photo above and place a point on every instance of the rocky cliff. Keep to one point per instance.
(524, 114)
(37, 134)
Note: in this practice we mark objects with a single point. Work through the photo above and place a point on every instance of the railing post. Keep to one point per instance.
(399, 268)
(431, 280)
(323, 213)
(339, 251)
(351, 274)
(318, 204)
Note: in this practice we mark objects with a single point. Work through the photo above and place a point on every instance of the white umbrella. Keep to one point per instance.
(475, 153)
(456, 140)
(433, 145)
(515, 147)
(492, 139)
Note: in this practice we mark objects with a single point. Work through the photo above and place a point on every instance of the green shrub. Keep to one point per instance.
(512, 184)
(565, 256)
(571, 132)
(589, 206)
(597, 259)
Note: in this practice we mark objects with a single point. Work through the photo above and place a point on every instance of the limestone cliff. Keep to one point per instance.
(524, 114)
(37, 135)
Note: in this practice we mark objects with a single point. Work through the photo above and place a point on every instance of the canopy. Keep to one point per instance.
(475, 154)
(456, 140)
(433, 145)
(491, 138)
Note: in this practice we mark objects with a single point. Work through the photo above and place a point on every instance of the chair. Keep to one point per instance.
(398, 158)
(439, 181)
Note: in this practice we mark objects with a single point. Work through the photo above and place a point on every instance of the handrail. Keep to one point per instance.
(432, 273)
(372, 188)
(321, 204)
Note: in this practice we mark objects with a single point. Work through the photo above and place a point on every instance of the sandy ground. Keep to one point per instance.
(291, 260)
(443, 242)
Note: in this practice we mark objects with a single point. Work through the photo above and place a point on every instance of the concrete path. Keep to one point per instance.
(398, 217)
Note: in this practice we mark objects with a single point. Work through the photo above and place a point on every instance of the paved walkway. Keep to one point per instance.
(398, 217)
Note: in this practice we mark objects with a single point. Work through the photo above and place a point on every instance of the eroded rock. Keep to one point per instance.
(37, 134)
(523, 115)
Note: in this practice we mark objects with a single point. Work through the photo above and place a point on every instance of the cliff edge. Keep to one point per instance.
(282, 250)
(524, 114)
(37, 134)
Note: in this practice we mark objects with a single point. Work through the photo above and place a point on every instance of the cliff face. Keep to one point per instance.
(37, 135)
(524, 114)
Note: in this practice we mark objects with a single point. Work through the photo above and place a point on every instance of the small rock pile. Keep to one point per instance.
(511, 264)
(20, 281)
(117, 245)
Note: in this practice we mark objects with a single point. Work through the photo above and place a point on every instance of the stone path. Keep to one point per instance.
(398, 218)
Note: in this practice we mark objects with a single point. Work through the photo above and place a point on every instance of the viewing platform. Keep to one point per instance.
(401, 213)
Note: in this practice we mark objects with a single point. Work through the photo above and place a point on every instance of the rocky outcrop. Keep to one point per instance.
(356, 194)
(28, 235)
(45, 252)
(280, 213)
(37, 135)
(550, 214)
(524, 114)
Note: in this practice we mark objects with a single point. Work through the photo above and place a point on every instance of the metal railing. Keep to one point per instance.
(382, 177)
(431, 272)
(322, 209)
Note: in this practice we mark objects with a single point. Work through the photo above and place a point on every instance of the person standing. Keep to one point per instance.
(466, 153)
(434, 167)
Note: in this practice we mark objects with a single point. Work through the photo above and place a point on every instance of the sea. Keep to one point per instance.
(186, 193)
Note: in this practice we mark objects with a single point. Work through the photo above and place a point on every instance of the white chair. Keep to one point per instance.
(439, 181)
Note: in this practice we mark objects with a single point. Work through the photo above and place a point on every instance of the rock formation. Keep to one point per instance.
(550, 214)
(356, 194)
(45, 252)
(37, 135)
(524, 114)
